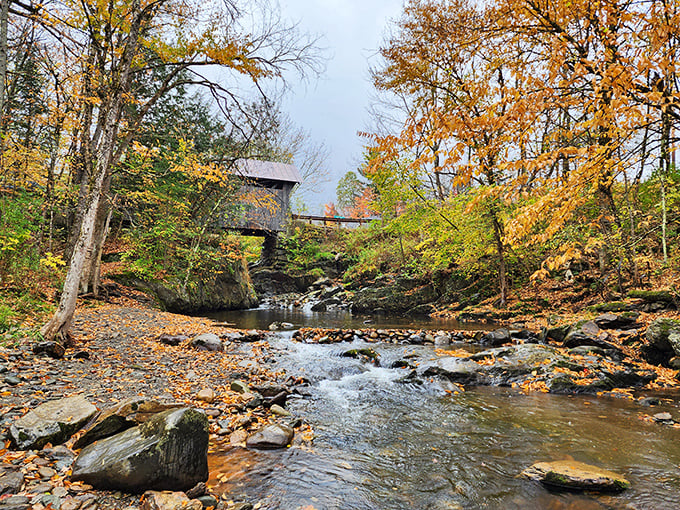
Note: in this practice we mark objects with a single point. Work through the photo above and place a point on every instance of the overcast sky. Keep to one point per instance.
(334, 108)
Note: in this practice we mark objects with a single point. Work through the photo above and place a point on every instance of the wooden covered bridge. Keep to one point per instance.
(265, 193)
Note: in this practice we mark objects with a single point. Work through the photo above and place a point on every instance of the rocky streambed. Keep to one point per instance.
(387, 406)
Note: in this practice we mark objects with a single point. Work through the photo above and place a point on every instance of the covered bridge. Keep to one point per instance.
(265, 193)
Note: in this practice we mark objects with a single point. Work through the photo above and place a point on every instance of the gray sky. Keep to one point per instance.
(334, 108)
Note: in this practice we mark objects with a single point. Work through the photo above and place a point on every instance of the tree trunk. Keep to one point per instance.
(498, 235)
(104, 140)
(4, 17)
(90, 277)
(60, 323)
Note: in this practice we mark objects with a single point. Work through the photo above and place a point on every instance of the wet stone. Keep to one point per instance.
(270, 437)
(574, 475)
(649, 401)
(663, 417)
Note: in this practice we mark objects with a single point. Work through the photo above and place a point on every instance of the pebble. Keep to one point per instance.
(12, 380)
(279, 411)
(239, 387)
(206, 395)
(46, 472)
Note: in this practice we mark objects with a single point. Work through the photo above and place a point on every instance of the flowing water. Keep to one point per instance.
(383, 444)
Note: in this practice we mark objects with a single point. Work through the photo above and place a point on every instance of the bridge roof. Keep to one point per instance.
(255, 169)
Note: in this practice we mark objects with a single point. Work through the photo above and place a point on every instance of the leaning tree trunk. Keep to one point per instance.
(60, 323)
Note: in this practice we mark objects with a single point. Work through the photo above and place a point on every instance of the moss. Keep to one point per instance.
(622, 484)
(366, 354)
(653, 296)
(612, 306)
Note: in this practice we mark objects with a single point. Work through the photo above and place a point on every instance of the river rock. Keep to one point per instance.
(153, 500)
(663, 417)
(173, 340)
(517, 364)
(556, 334)
(281, 326)
(457, 370)
(442, 340)
(206, 395)
(15, 503)
(168, 452)
(574, 475)
(279, 411)
(664, 334)
(52, 349)
(270, 437)
(625, 320)
(121, 417)
(582, 333)
(239, 387)
(12, 380)
(208, 501)
(11, 482)
(207, 342)
(52, 422)
(497, 337)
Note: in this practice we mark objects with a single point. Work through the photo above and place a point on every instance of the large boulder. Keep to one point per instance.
(625, 320)
(168, 452)
(396, 296)
(52, 422)
(229, 288)
(127, 414)
(207, 342)
(536, 365)
(496, 337)
(664, 334)
(572, 475)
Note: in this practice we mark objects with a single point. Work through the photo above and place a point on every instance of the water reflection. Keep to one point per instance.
(261, 318)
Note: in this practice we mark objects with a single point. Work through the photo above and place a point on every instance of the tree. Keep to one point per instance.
(110, 47)
(544, 107)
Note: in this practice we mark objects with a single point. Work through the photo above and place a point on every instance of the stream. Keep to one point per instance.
(384, 444)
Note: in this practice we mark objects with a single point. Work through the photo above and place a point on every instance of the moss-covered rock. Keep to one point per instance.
(168, 452)
(52, 422)
(664, 335)
(228, 289)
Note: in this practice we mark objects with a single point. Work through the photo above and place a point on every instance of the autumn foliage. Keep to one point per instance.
(556, 120)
